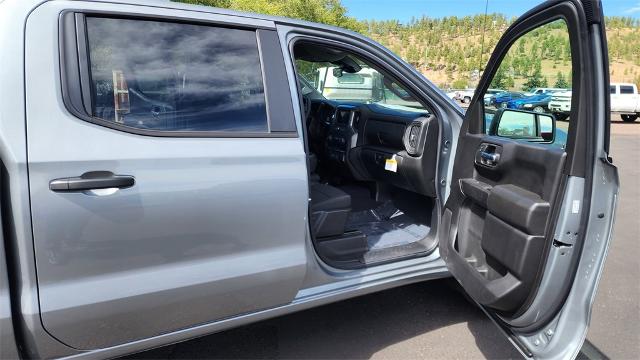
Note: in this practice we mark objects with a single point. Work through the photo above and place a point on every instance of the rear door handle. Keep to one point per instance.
(92, 180)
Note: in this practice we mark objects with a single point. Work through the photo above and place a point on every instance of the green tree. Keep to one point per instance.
(509, 82)
(561, 82)
(460, 83)
(450, 45)
(215, 3)
(413, 55)
(330, 12)
(544, 82)
(535, 80)
(499, 79)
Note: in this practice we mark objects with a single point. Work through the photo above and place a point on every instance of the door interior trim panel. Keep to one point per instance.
(497, 237)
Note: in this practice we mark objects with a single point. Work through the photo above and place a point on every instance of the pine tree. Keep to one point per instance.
(544, 82)
(561, 82)
(535, 80)
(499, 79)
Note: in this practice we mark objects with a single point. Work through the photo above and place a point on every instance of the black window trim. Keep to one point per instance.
(76, 78)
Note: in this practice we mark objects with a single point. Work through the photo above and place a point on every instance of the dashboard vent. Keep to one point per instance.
(356, 120)
(414, 135)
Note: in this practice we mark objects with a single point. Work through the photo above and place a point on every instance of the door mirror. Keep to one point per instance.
(526, 125)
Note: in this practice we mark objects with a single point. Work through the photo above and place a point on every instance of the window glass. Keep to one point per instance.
(612, 89)
(626, 89)
(517, 124)
(352, 78)
(367, 85)
(176, 77)
(535, 77)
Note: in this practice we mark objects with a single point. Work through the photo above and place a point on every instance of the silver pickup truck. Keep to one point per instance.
(165, 174)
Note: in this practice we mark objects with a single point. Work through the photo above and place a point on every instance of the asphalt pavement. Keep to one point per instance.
(615, 322)
(433, 320)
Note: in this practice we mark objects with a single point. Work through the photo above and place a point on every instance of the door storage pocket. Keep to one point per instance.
(517, 251)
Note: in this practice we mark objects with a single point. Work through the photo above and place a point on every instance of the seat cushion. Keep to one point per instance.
(327, 198)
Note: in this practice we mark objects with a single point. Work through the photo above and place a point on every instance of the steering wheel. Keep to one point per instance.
(306, 105)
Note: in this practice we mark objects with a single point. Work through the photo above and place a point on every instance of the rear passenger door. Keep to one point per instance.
(168, 181)
(527, 224)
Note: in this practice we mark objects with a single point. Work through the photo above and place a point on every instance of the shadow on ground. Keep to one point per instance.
(426, 320)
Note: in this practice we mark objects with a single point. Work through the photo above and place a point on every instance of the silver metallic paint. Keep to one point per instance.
(321, 284)
(8, 346)
(212, 228)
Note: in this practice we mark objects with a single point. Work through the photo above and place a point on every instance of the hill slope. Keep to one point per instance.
(451, 50)
(447, 50)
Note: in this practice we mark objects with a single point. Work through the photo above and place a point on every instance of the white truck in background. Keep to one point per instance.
(625, 101)
(461, 95)
(334, 84)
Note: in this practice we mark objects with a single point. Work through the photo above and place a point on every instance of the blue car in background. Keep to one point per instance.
(537, 103)
(500, 100)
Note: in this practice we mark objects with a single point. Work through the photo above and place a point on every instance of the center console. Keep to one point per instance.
(342, 133)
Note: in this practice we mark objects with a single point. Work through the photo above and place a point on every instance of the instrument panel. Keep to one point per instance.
(373, 142)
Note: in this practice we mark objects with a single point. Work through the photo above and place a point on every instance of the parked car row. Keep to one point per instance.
(625, 101)
(537, 99)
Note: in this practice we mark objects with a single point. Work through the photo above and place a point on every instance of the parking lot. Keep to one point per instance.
(433, 320)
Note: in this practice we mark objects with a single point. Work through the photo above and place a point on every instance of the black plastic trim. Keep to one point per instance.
(69, 68)
(279, 107)
(83, 63)
(607, 99)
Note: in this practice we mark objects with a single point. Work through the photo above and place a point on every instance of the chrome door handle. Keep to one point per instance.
(489, 158)
(92, 180)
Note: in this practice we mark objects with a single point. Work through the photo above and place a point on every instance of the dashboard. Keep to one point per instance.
(373, 142)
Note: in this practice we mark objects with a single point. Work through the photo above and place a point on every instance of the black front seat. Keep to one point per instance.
(330, 209)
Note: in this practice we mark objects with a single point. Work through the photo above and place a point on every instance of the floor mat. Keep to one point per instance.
(361, 198)
(386, 226)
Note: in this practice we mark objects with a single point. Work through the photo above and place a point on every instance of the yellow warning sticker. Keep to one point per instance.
(391, 165)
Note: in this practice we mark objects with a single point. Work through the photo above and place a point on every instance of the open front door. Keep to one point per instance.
(527, 224)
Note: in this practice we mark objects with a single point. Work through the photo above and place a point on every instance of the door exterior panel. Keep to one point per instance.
(212, 228)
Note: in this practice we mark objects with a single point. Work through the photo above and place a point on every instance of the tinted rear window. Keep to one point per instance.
(625, 89)
(176, 77)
